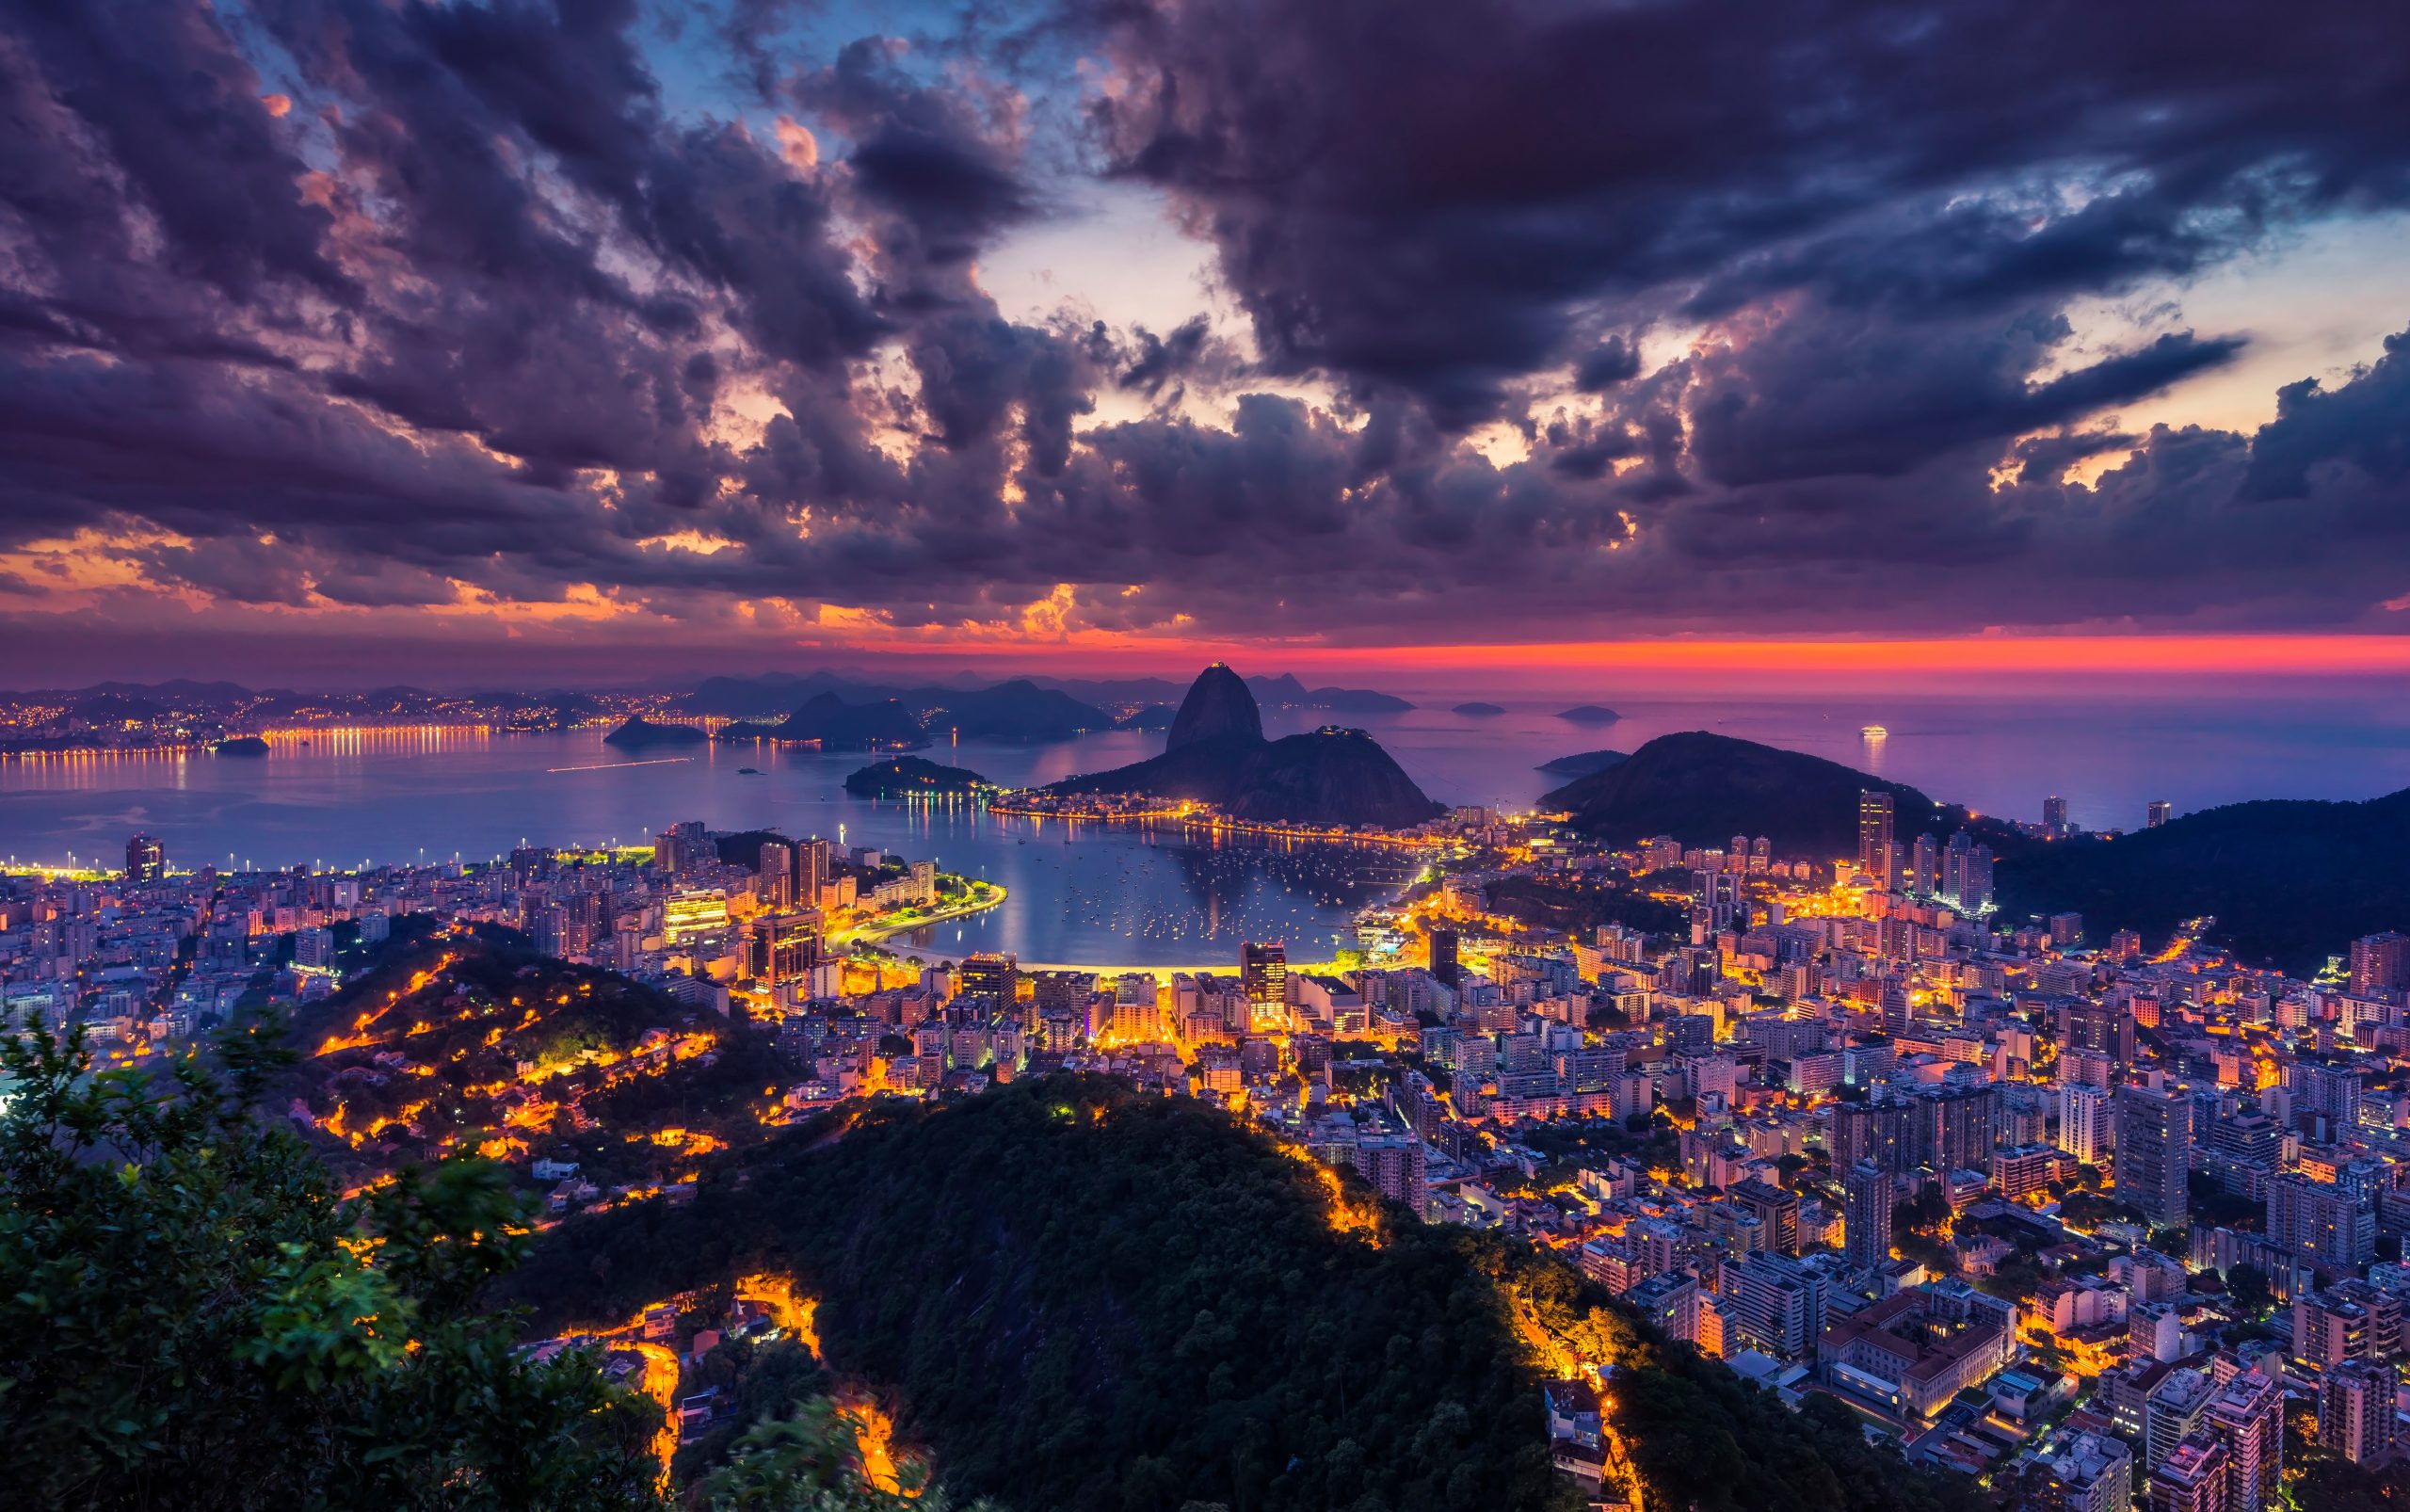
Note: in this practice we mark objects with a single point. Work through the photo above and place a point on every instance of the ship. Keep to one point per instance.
(1875, 732)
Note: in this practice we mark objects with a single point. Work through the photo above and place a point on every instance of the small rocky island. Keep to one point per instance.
(1581, 763)
(639, 733)
(912, 777)
(1477, 710)
(1589, 713)
(240, 746)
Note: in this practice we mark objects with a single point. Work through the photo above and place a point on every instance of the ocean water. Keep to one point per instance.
(1110, 895)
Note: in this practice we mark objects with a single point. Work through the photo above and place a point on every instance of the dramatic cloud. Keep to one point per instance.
(1553, 320)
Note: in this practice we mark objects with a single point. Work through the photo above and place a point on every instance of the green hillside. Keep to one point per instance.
(1078, 1297)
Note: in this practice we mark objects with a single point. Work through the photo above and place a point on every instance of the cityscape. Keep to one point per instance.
(1186, 756)
(2080, 1214)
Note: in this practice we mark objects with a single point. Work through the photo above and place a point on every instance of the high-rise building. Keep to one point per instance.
(2104, 1028)
(1876, 1131)
(2154, 1153)
(988, 974)
(2320, 1222)
(1263, 977)
(774, 874)
(1777, 1212)
(1866, 1216)
(2085, 1128)
(2192, 1477)
(2171, 1411)
(2334, 1326)
(1899, 1008)
(811, 871)
(1924, 866)
(2094, 1472)
(786, 947)
(1966, 872)
(2247, 1417)
(144, 861)
(2241, 1152)
(1874, 851)
(2380, 964)
(2021, 1170)
(2325, 1098)
(1952, 1128)
(2054, 816)
(2356, 1417)
(1773, 1303)
(1443, 958)
(2160, 812)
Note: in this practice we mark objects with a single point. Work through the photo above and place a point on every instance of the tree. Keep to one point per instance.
(2249, 1287)
(192, 1317)
(815, 1461)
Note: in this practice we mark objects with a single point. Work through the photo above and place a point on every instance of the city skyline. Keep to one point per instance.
(508, 344)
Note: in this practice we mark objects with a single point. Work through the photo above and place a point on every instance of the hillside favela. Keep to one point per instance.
(1202, 757)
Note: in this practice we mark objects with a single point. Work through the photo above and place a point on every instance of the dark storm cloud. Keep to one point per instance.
(382, 303)
(1431, 195)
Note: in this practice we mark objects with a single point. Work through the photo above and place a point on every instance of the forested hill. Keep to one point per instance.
(1702, 788)
(2289, 881)
(1078, 1297)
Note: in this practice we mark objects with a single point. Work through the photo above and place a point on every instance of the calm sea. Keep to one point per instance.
(1104, 895)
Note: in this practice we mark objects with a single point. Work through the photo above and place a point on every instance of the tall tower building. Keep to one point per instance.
(2380, 964)
(2084, 1129)
(811, 870)
(145, 862)
(2356, 1416)
(1924, 866)
(2247, 1417)
(1443, 958)
(1866, 1216)
(2054, 816)
(1875, 852)
(1263, 975)
(1876, 1131)
(2160, 812)
(2154, 1153)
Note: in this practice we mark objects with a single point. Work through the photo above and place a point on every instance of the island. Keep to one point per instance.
(1588, 714)
(240, 746)
(912, 777)
(637, 732)
(1477, 710)
(1216, 755)
(1581, 764)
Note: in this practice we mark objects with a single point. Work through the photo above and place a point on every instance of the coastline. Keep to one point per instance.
(875, 932)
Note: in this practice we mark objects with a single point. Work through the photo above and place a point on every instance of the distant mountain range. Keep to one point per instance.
(740, 696)
(2288, 882)
(1216, 753)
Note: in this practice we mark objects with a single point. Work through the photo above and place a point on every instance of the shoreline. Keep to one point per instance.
(1194, 818)
(873, 934)
(928, 956)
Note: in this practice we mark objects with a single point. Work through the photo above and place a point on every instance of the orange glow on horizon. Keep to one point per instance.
(2040, 654)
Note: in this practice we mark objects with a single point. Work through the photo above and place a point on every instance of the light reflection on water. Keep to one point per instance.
(1120, 895)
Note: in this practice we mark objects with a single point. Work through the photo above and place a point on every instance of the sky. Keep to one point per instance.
(349, 341)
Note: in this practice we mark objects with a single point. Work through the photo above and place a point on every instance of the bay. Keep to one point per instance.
(1101, 893)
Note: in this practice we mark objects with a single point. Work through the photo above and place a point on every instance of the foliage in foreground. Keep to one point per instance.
(192, 1317)
(812, 1462)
